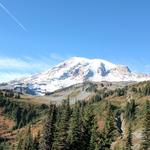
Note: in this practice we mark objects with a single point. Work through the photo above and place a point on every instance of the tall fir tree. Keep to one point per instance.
(56, 127)
(62, 128)
(74, 134)
(95, 137)
(28, 140)
(48, 129)
(128, 144)
(20, 140)
(88, 120)
(130, 112)
(146, 126)
(108, 134)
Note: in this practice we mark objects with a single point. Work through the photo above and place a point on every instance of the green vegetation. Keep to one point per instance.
(130, 110)
(75, 128)
(109, 119)
(129, 144)
(22, 113)
(146, 131)
(49, 128)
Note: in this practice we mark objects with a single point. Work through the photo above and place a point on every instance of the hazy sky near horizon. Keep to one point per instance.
(35, 35)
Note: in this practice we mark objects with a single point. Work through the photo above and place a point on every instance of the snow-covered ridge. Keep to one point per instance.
(77, 70)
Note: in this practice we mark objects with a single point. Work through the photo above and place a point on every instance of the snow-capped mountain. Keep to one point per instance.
(77, 70)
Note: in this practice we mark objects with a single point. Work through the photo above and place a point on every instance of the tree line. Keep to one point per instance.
(72, 128)
(76, 128)
(21, 113)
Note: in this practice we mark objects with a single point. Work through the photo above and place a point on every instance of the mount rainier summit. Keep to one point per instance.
(76, 70)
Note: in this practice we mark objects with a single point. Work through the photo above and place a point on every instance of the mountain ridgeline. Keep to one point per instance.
(74, 71)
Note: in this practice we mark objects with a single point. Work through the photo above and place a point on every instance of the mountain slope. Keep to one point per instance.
(73, 71)
(99, 97)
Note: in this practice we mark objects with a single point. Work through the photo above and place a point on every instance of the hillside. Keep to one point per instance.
(99, 98)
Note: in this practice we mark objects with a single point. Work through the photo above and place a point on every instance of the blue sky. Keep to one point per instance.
(35, 35)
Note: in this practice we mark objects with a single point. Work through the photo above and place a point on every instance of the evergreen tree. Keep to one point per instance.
(128, 145)
(146, 131)
(27, 141)
(130, 110)
(62, 128)
(109, 132)
(36, 142)
(74, 133)
(88, 121)
(56, 127)
(82, 125)
(95, 137)
(146, 89)
(18, 116)
(48, 130)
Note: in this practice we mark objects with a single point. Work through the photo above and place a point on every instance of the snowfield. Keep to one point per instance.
(76, 70)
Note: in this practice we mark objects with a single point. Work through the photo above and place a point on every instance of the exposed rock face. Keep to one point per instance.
(77, 70)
